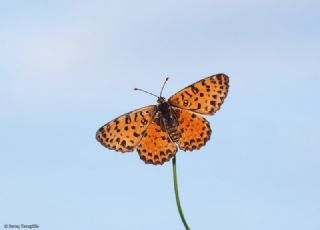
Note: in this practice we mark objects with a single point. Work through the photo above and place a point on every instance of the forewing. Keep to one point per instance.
(204, 96)
(194, 130)
(156, 146)
(124, 133)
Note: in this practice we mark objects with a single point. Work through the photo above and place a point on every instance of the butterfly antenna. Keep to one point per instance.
(146, 92)
(164, 85)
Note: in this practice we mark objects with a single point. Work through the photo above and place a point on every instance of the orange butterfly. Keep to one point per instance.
(155, 130)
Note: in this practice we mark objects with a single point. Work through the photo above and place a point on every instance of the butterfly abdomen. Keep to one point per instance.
(174, 134)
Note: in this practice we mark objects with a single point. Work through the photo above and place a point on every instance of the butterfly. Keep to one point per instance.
(156, 130)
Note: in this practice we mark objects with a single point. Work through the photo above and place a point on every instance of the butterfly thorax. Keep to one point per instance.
(167, 119)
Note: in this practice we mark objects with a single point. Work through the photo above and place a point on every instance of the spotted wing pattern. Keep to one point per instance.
(204, 96)
(194, 130)
(124, 133)
(156, 146)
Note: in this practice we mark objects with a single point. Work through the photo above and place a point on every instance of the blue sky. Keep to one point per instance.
(67, 67)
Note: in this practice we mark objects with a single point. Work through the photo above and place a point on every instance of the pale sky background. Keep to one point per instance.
(68, 67)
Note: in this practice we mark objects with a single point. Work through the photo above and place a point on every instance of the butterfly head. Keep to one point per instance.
(161, 100)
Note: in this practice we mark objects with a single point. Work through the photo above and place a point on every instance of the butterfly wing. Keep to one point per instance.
(156, 147)
(194, 130)
(124, 133)
(204, 96)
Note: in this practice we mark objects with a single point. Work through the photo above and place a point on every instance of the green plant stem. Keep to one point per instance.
(175, 181)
